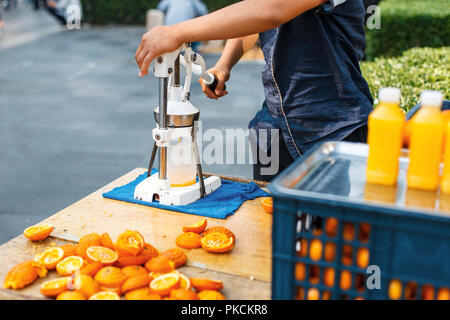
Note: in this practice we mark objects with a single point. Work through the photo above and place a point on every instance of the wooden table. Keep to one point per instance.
(245, 271)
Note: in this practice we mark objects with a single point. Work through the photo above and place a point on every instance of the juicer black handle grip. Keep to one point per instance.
(213, 85)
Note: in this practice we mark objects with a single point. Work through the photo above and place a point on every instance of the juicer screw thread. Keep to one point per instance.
(160, 59)
(194, 57)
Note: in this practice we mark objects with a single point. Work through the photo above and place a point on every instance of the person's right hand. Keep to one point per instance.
(223, 75)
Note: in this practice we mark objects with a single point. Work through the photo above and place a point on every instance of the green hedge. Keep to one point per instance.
(409, 23)
(129, 11)
(416, 70)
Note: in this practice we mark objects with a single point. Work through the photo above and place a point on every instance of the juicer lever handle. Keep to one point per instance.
(214, 83)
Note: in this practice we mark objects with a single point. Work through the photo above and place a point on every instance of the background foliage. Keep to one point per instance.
(416, 70)
(407, 24)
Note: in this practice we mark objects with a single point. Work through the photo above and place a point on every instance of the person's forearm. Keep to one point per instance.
(242, 19)
(235, 49)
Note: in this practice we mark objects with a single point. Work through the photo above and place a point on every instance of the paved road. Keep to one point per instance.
(74, 116)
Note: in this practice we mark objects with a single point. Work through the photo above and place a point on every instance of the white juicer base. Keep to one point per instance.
(153, 188)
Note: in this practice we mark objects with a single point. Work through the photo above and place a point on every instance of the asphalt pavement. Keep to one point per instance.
(74, 115)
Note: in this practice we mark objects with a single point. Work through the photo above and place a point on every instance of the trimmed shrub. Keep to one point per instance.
(131, 11)
(409, 23)
(416, 70)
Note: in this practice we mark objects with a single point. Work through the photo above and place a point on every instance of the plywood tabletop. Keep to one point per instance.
(246, 269)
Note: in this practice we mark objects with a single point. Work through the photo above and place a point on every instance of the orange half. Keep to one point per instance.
(69, 265)
(217, 242)
(105, 295)
(267, 204)
(163, 284)
(129, 243)
(38, 232)
(101, 254)
(50, 257)
(52, 288)
(197, 227)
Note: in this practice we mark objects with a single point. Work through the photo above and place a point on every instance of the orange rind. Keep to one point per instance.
(86, 285)
(24, 274)
(177, 256)
(220, 229)
(132, 271)
(50, 257)
(189, 240)
(105, 295)
(129, 243)
(141, 294)
(38, 232)
(217, 242)
(91, 269)
(201, 284)
(89, 240)
(110, 277)
(101, 254)
(211, 295)
(160, 264)
(165, 283)
(105, 241)
(52, 288)
(183, 294)
(197, 227)
(136, 282)
(69, 250)
(69, 265)
(267, 204)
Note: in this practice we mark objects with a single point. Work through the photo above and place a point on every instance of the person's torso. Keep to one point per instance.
(179, 11)
(312, 81)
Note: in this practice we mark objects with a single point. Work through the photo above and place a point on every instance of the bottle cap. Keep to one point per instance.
(430, 98)
(389, 95)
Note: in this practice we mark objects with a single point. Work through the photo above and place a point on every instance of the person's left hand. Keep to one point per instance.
(158, 40)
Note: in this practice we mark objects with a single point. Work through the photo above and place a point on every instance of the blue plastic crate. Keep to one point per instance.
(407, 233)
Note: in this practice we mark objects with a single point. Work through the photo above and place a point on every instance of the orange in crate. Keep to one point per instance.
(86, 241)
(217, 242)
(313, 294)
(189, 240)
(315, 250)
(201, 284)
(129, 243)
(105, 295)
(427, 292)
(50, 257)
(328, 277)
(70, 295)
(183, 294)
(111, 277)
(329, 251)
(346, 280)
(38, 232)
(443, 294)
(197, 227)
(165, 283)
(331, 226)
(52, 288)
(24, 274)
(160, 264)
(136, 282)
(210, 295)
(177, 256)
(267, 204)
(300, 271)
(101, 254)
(362, 257)
(69, 265)
(395, 290)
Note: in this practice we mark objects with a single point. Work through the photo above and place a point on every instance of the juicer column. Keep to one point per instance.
(162, 173)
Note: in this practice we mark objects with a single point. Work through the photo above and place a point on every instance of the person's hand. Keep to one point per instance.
(223, 75)
(159, 40)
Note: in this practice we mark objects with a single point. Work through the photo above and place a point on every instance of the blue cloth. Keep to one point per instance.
(219, 204)
(312, 80)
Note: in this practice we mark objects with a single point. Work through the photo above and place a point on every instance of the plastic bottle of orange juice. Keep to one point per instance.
(427, 134)
(385, 138)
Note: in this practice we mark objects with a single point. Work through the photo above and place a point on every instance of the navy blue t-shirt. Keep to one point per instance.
(314, 89)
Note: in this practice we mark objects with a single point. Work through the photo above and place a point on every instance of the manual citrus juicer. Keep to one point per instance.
(174, 137)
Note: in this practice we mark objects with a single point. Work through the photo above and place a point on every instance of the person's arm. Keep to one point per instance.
(238, 20)
(232, 53)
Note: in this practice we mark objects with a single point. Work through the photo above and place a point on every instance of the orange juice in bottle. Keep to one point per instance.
(385, 138)
(427, 134)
